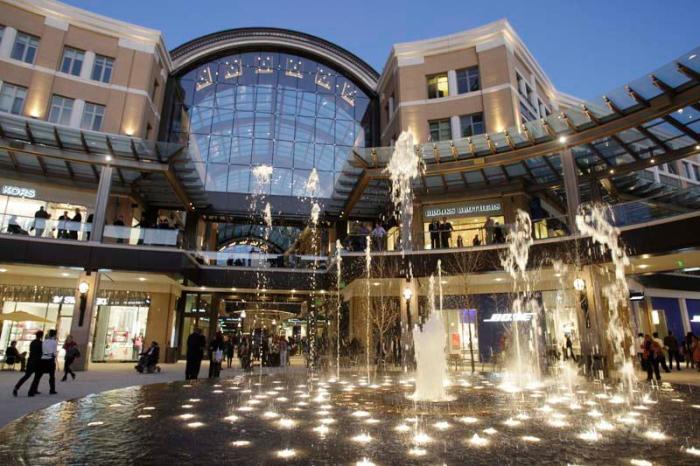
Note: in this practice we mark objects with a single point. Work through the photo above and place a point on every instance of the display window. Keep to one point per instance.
(49, 315)
(465, 232)
(119, 333)
(17, 216)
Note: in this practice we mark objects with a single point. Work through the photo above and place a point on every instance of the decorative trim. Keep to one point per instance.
(190, 53)
(56, 23)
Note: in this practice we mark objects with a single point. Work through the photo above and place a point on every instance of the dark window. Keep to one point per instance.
(471, 125)
(154, 91)
(437, 86)
(468, 80)
(102, 69)
(440, 130)
(72, 62)
(25, 48)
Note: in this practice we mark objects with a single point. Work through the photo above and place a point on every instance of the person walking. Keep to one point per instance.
(653, 354)
(378, 235)
(283, 352)
(75, 224)
(34, 361)
(49, 349)
(433, 229)
(660, 343)
(63, 225)
(488, 228)
(195, 352)
(216, 355)
(229, 351)
(695, 347)
(639, 343)
(445, 230)
(72, 353)
(671, 345)
(688, 346)
(40, 217)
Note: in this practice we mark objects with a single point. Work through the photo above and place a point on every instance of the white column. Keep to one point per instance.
(8, 41)
(570, 186)
(77, 113)
(684, 317)
(452, 82)
(86, 70)
(456, 127)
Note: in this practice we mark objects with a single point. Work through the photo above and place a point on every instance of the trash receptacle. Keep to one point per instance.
(170, 355)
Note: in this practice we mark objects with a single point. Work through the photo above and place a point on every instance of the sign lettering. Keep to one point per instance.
(464, 209)
(519, 317)
(16, 191)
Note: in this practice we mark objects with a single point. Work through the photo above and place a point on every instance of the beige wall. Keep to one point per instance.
(160, 320)
(129, 107)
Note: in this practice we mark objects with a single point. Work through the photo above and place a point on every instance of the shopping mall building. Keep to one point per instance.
(146, 164)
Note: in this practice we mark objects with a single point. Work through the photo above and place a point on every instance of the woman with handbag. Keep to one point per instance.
(72, 353)
(216, 355)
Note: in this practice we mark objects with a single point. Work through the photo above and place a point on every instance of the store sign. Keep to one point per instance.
(71, 300)
(17, 191)
(521, 317)
(464, 209)
(695, 319)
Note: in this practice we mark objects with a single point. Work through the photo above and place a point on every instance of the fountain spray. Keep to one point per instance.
(368, 267)
(338, 278)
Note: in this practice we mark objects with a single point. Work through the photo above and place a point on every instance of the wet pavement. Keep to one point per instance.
(287, 419)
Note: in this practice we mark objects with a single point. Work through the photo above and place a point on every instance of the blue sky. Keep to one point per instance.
(585, 47)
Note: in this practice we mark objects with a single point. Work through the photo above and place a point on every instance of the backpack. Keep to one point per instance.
(73, 352)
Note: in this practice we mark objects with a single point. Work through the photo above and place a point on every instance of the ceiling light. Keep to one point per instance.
(108, 158)
(643, 266)
(562, 139)
(579, 284)
(691, 269)
(498, 279)
(376, 283)
(3, 270)
(65, 274)
(142, 279)
(612, 171)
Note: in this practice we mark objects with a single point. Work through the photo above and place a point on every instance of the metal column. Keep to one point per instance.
(571, 187)
(98, 222)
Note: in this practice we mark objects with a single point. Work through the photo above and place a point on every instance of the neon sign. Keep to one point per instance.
(17, 191)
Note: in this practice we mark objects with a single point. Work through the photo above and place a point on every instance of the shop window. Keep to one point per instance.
(61, 110)
(72, 62)
(437, 86)
(102, 69)
(93, 115)
(440, 130)
(468, 80)
(471, 125)
(12, 98)
(25, 48)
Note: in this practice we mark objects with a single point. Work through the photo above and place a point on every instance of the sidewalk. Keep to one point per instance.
(100, 377)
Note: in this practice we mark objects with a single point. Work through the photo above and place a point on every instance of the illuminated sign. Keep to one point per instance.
(522, 317)
(17, 191)
(696, 318)
(464, 209)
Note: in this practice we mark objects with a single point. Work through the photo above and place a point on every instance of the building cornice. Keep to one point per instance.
(495, 34)
(129, 35)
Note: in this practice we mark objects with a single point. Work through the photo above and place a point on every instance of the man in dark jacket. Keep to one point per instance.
(195, 352)
(671, 345)
(434, 234)
(34, 362)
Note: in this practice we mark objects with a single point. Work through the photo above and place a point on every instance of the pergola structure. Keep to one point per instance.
(650, 121)
(157, 172)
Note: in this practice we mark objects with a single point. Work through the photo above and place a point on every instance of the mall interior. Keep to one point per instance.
(147, 191)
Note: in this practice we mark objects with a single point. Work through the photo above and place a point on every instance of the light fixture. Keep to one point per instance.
(242, 314)
(3, 270)
(142, 279)
(655, 317)
(108, 158)
(83, 287)
(579, 284)
(274, 322)
(643, 266)
(562, 139)
(498, 279)
(376, 283)
(65, 274)
(407, 294)
(612, 171)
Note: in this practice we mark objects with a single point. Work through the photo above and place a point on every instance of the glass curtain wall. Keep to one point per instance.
(269, 108)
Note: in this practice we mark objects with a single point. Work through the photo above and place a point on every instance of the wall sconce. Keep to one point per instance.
(407, 294)
(579, 284)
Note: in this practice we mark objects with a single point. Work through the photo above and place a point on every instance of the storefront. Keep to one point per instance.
(49, 308)
(120, 331)
(468, 220)
(19, 201)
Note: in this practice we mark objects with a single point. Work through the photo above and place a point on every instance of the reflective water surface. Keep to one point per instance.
(287, 419)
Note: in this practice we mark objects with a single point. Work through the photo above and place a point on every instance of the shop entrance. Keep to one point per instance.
(119, 333)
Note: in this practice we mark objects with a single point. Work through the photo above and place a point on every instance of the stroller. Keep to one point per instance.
(148, 360)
